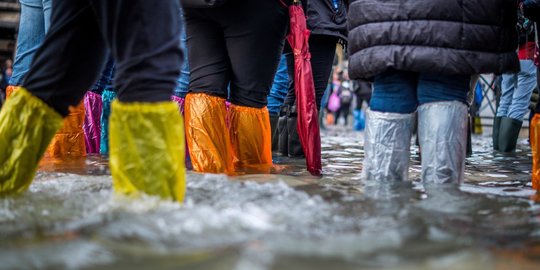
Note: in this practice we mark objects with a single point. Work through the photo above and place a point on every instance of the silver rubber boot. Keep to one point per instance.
(387, 146)
(442, 130)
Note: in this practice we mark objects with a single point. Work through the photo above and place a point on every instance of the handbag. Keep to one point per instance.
(202, 3)
(334, 102)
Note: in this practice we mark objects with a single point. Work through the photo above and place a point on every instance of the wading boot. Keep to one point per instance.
(251, 139)
(496, 129)
(442, 129)
(387, 146)
(207, 134)
(92, 122)
(107, 98)
(509, 134)
(147, 149)
(27, 126)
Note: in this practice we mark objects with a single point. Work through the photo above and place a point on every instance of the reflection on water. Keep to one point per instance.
(70, 218)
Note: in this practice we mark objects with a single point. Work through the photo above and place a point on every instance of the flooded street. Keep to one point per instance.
(70, 219)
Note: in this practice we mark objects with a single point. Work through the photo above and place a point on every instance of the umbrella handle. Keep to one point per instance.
(296, 2)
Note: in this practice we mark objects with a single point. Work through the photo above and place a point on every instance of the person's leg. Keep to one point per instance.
(346, 112)
(336, 117)
(276, 98)
(53, 83)
(323, 50)
(182, 86)
(442, 126)
(389, 126)
(205, 111)
(181, 89)
(146, 131)
(279, 88)
(95, 133)
(510, 125)
(259, 28)
(508, 86)
(30, 38)
(526, 83)
(47, 13)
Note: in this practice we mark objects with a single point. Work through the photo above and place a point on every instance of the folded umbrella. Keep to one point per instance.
(308, 124)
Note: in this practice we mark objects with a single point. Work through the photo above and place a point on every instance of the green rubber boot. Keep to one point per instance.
(496, 129)
(508, 134)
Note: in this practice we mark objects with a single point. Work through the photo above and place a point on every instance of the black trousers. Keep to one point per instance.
(236, 47)
(143, 37)
(323, 52)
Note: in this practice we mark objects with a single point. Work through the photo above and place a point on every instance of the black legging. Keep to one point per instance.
(143, 37)
(237, 46)
(323, 51)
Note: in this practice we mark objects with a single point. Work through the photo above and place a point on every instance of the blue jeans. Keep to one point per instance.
(279, 88)
(181, 89)
(34, 23)
(403, 91)
(517, 90)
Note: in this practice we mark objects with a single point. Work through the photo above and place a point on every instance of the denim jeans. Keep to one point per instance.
(517, 90)
(181, 89)
(34, 23)
(279, 88)
(403, 91)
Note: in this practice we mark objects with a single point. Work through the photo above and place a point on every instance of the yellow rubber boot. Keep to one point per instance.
(27, 125)
(147, 149)
(207, 135)
(535, 147)
(69, 140)
(251, 139)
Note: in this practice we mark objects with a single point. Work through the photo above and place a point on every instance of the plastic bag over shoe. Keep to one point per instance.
(207, 134)
(27, 126)
(442, 131)
(387, 146)
(251, 139)
(147, 149)
(92, 122)
(69, 141)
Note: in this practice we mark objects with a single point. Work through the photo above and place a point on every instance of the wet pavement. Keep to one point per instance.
(71, 220)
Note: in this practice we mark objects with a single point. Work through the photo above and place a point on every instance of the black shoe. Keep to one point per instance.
(508, 134)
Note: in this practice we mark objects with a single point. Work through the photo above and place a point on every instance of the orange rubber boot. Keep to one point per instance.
(251, 139)
(207, 135)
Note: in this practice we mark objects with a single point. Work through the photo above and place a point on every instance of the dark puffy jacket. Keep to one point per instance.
(323, 19)
(439, 36)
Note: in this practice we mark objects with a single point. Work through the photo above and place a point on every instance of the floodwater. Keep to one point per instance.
(70, 219)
